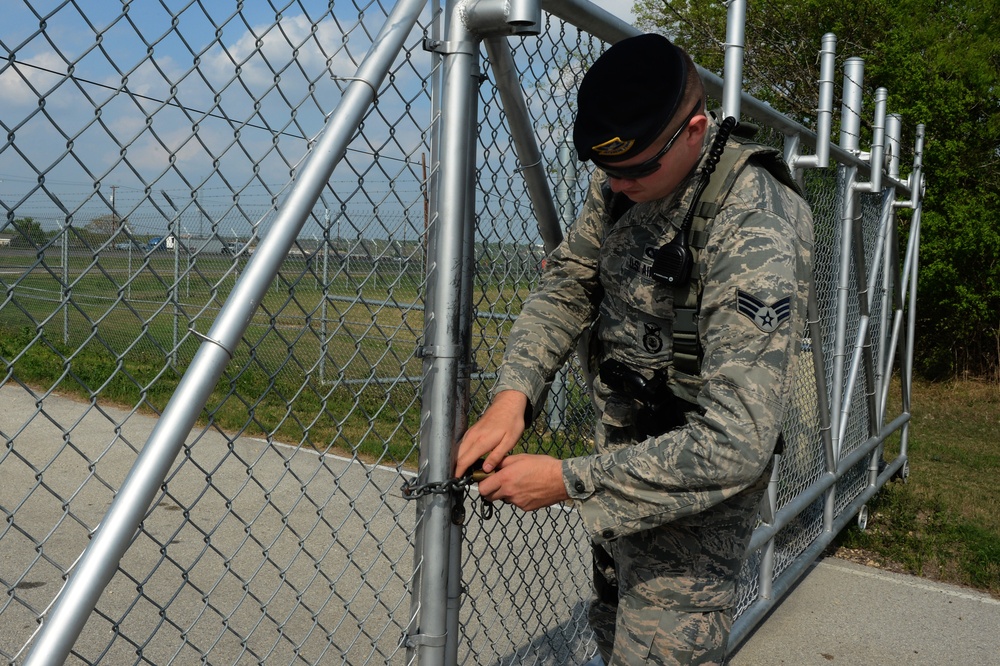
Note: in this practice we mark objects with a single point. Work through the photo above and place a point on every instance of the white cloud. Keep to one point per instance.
(15, 79)
(259, 54)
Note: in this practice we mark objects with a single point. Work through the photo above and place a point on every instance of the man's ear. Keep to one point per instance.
(696, 128)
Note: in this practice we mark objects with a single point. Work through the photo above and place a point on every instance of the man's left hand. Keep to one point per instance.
(527, 481)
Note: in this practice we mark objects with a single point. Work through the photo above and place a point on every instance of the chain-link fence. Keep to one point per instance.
(151, 151)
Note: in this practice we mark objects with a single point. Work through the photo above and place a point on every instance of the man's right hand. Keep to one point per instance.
(495, 433)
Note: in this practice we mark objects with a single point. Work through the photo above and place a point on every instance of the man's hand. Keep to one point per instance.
(495, 433)
(527, 481)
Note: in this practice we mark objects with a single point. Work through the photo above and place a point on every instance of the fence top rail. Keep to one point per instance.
(610, 28)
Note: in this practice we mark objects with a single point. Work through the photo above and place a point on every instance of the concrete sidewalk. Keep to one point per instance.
(839, 613)
(845, 613)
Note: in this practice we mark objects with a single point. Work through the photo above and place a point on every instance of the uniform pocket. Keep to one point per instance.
(637, 311)
(637, 316)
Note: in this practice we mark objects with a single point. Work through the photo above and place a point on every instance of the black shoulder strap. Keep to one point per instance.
(688, 352)
(772, 160)
(733, 161)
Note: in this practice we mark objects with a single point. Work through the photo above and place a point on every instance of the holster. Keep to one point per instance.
(657, 409)
(605, 577)
(653, 422)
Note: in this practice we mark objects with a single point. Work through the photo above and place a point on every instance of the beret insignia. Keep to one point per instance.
(613, 147)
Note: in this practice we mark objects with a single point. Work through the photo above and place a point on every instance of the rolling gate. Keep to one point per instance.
(261, 266)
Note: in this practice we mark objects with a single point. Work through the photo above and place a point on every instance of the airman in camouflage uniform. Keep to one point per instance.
(670, 509)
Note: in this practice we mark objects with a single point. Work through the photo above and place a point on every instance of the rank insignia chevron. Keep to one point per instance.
(766, 317)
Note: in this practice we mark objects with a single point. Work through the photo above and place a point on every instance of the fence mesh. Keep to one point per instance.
(148, 146)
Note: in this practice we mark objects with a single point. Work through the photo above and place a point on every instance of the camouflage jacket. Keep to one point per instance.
(755, 271)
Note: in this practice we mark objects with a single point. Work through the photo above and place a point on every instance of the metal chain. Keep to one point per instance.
(412, 490)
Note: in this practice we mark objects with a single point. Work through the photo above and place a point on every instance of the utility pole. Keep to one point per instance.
(201, 219)
(114, 210)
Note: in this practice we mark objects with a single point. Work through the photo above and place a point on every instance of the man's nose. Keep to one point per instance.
(619, 184)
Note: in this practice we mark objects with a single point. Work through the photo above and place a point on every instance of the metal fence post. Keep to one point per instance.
(442, 351)
(850, 129)
(175, 287)
(910, 275)
(325, 296)
(565, 187)
(430, 187)
(128, 288)
(64, 255)
(863, 360)
(892, 297)
(174, 222)
(466, 368)
(824, 115)
(733, 64)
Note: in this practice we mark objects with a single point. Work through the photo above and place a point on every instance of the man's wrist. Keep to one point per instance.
(513, 400)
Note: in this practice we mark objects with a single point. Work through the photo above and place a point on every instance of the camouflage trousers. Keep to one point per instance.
(666, 595)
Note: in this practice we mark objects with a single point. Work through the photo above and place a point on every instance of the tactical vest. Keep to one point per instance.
(737, 155)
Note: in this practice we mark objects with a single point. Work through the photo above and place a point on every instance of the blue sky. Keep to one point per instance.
(190, 125)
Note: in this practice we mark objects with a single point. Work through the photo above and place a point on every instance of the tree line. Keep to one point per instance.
(940, 62)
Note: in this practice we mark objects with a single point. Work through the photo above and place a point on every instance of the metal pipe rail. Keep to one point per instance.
(786, 514)
(756, 613)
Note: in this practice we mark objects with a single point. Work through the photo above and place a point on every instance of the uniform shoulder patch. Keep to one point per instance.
(765, 317)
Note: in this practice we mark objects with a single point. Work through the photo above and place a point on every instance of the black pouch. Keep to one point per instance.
(605, 577)
(659, 410)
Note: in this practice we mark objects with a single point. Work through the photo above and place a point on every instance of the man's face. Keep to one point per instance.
(675, 164)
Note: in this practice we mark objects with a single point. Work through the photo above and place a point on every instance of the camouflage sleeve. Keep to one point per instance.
(560, 308)
(755, 277)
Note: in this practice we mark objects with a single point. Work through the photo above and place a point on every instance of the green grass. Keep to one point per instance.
(326, 374)
(376, 422)
(944, 523)
(113, 341)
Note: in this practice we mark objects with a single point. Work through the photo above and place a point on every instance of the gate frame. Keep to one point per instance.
(434, 626)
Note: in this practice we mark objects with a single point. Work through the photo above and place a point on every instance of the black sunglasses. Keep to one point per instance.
(652, 165)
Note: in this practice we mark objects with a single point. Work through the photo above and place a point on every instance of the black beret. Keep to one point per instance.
(628, 97)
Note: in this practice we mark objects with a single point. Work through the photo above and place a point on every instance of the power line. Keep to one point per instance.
(77, 79)
(174, 103)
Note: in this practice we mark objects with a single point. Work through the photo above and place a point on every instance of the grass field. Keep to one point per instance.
(330, 358)
(343, 377)
(944, 523)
